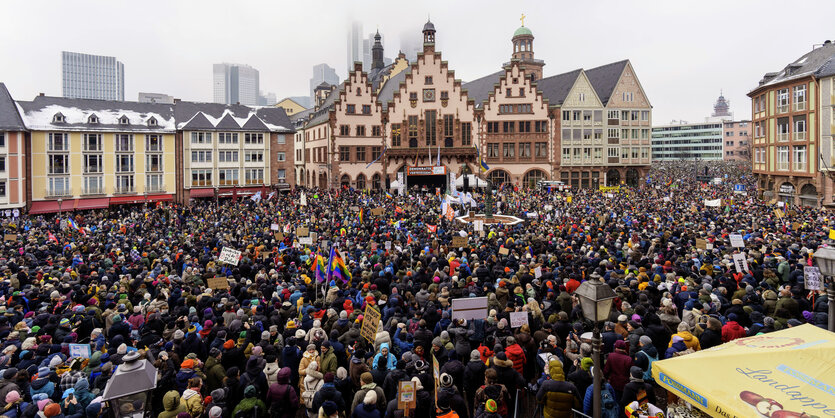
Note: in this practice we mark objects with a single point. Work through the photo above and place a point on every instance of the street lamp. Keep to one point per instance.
(129, 389)
(60, 201)
(825, 258)
(596, 300)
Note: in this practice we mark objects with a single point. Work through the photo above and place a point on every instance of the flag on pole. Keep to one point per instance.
(257, 196)
(432, 228)
(481, 164)
(378, 157)
(74, 225)
(321, 269)
(388, 195)
(362, 210)
(271, 195)
(52, 237)
(337, 267)
(450, 214)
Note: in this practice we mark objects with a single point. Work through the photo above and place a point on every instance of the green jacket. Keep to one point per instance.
(171, 403)
(328, 362)
(251, 403)
(214, 374)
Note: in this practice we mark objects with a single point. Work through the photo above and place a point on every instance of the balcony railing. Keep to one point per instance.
(124, 189)
(799, 136)
(799, 166)
(783, 108)
(800, 106)
(93, 190)
(783, 166)
(58, 192)
(155, 188)
(783, 137)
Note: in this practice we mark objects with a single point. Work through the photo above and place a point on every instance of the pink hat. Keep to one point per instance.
(12, 397)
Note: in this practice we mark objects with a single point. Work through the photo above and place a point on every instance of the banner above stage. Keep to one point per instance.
(426, 171)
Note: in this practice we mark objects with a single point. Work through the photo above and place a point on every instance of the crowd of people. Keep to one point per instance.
(279, 339)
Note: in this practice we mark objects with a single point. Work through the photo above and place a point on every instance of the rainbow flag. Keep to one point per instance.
(361, 212)
(321, 269)
(76, 226)
(337, 268)
(388, 195)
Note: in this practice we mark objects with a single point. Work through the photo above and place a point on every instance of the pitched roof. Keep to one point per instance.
(228, 123)
(480, 88)
(386, 93)
(827, 69)
(38, 114)
(557, 87)
(230, 117)
(9, 116)
(322, 113)
(605, 78)
(254, 124)
(197, 122)
(809, 64)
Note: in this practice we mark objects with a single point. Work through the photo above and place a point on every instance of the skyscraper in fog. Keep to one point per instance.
(355, 45)
(322, 73)
(236, 83)
(85, 76)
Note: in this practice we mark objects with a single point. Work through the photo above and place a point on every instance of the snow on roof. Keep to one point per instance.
(76, 118)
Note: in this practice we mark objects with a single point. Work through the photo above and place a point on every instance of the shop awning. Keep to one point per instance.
(201, 192)
(126, 200)
(161, 198)
(47, 206)
(97, 203)
(794, 368)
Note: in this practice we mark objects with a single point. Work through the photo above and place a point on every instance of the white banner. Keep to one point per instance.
(715, 203)
(469, 308)
(740, 263)
(812, 278)
(274, 227)
(230, 256)
(537, 272)
(306, 240)
(478, 226)
(303, 200)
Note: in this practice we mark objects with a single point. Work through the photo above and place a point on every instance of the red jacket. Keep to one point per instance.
(517, 356)
(617, 369)
(731, 331)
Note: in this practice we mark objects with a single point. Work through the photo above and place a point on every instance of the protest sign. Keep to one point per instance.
(517, 319)
(504, 251)
(458, 241)
(701, 244)
(469, 308)
(370, 321)
(302, 231)
(388, 245)
(406, 396)
(736, 241)
(230, 256)
(376, 211)
(812, 278)
(274, 227)
(795, 226)
(80, 350)
(779, 213)
(537, 272)
(217, 283)
(279, 236)
(306, 240)
(740, 263)
(354, 208)
(478, 226)
(532, 214)
(715, 203)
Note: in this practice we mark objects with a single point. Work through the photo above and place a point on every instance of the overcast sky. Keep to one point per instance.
(684, 52)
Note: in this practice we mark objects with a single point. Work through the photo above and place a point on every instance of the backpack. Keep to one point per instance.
(307, 396)
(648, 372)
(608, 405)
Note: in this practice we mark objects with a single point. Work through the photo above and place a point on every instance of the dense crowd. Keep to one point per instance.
(280, 343)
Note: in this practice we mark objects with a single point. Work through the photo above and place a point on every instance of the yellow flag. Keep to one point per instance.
(568, 199)
(832, 234)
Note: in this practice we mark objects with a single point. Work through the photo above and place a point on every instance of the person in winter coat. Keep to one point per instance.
(637, 389)
(494, 390)
(516, 354)
(219, 400)
(172, 404)
(214, 370)
(646, 355)
(327, 393)
(557, 396)
(329, 361)
(310, 355)
(251, 405)
(617, 367)
(192, 398)
(453, 398)
(461, 338)
(357, 367)
(489, 409)
(185, 374)
(42, 384)
(82, 393)
(732, 330)
(689, 339)
(368, 385)
(677, 346)
(14, 405)
(636, 331)
(254, 374)
(507, 374)
(309, 386)
(368, 407)
(473, 376)
(8, 383)
(712, 336)
(391, 360)
(588, 399)
(281, 397)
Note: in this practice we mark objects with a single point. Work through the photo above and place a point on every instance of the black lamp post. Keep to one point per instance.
(129, 389)
(825, 259)
(596, 300)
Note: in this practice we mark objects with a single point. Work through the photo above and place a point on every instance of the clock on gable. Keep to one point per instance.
(428, 95)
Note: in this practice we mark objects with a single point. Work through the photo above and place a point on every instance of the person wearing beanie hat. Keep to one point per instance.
(250, 402)
(635, 386)
(215, 412)
(367, 387)
(732, 330)
(51, 410)
(329, 409)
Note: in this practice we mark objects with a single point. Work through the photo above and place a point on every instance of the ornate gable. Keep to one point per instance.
(582, 94)
(628, 87)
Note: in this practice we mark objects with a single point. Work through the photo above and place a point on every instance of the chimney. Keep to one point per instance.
(176, 101)
(40, 94)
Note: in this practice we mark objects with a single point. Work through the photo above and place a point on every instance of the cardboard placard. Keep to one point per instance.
(217, 283)
(306, 240)
(517, 319)
(701, 244)
(459, 241)
(406, 396)
(370, 321)
(504, 251)
(302, 231)
(792, 212)
(376, 211)
(779, 213)
(229, 256)
(736, 241)
(354, 208)
(279, 236)
(469, 308)
(812, 278)
(795, 226)
(10, 237)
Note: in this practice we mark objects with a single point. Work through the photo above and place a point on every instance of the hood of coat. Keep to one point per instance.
(171, 400)
(190, 393)
(284, 375)
(313, 370)
(555, 370)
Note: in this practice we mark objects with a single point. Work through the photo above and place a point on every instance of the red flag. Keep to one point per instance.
(432, 228)
(52, 238)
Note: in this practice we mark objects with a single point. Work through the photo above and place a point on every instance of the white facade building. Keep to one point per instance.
(85, 76)
(236, 84)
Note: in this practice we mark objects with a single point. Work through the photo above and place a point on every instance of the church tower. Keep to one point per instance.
(523, 51)
(377, 52)
(428, 37)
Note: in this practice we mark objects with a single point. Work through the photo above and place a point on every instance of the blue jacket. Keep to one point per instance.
(588, 400)
(391, 362)
(403, 345)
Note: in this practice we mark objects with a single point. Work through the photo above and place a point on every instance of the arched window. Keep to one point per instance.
(345, 181)
(498, 177)
(361, 182)
(375, 182)
(533, 177)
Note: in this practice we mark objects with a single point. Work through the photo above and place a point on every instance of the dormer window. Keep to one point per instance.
(59, 118)
(123, 120)
(152, 121)
(93, 119)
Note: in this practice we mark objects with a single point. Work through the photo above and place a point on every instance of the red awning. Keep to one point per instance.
(48, 206)
(201, 192)
(126, 200)
(96, 203)
(161, 198)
